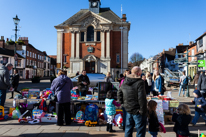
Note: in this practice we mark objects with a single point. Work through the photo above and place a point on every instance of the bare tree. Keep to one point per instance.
(136, 59)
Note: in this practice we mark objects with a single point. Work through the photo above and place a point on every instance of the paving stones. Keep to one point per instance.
(14, 132)
(51, 133)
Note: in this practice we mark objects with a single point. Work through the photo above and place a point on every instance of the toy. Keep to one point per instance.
(162, 128)
(79, 117)
(92, 112)
(21, 119)
(202, 135)
(89, 123)
(118, 120)
(1, 111)
(35, 121)
(101, 118)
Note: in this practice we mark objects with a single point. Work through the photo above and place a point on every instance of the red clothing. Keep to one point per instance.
(181, 136)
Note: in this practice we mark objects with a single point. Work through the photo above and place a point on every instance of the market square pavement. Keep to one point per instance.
(13, 128)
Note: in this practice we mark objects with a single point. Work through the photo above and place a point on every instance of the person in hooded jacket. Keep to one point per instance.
(200, 105)
(182, 120)
(4, 82)
(132, 96)
(201, 86)
(62, 86)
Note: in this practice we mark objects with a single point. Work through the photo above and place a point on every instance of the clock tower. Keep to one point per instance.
(94, 6)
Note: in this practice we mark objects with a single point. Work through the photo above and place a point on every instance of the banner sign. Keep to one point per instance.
(201, 63)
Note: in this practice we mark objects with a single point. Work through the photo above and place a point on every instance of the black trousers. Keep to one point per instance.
(15, 90)
(63, 113)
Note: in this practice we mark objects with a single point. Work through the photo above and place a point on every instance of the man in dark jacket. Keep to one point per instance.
(201, 86)
(15, 83)
(83, 83)
(4, 82)
(132, 96)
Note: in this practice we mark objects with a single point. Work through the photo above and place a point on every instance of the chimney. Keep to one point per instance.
(2, 42)
(190, 43)
(7, 39)
(180, 44)
(124, 18)
(163, 51)
(25, 40)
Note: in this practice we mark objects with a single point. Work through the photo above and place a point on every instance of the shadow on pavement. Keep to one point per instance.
(67, 134)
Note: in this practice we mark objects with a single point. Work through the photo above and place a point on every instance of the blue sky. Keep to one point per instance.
(155, 24)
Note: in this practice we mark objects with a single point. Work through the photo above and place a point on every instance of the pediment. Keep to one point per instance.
(91, 19)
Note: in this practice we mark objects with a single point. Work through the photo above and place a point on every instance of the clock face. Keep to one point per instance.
(94, 4)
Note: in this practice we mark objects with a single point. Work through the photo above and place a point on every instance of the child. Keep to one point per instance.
(146, 84)
(110, 104)
(182, 120)
(153, 120)
(200, 103)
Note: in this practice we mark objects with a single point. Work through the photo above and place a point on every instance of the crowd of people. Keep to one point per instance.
(131, 96)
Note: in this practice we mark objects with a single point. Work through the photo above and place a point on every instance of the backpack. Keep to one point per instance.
(79, 117)
(91, 112)
(185, 81)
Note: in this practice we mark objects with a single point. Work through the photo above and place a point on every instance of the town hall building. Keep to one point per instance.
(94, 39)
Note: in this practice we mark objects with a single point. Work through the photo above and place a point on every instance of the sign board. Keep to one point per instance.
(193, 63)
(201, 63)
(200, 56)
(181, 53)
(15, 57)
(104, 87)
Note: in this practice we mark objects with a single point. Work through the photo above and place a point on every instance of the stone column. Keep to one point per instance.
(102, 44)
(77, 45)
(95, 35)
(72, 45)
(85, 36)
(59, 46)
(108, 45)
(125, 48)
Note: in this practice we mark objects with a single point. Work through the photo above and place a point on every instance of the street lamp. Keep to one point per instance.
(16, 22)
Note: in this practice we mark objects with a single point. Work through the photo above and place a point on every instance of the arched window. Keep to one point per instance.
(90, 33)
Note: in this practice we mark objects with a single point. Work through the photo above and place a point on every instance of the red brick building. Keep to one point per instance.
(93, 39)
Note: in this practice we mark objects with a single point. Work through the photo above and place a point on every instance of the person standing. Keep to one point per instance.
(158, 82)
(108, 77)
(195, 80)
(62, 86)
(149, 80)
(132, 96)
(77, 74)
(146, 84)
(126, 73)
(201, 86)
(15, 83)
(182, 85)
(4, 82)
(83, 83)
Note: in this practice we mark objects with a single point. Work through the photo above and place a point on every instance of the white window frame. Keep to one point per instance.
(28, 53)
(193, 53)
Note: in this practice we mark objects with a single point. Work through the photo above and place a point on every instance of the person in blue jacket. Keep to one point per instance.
(158, 82)
(200, 103)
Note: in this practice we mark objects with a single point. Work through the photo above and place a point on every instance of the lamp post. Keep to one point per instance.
(16, 22)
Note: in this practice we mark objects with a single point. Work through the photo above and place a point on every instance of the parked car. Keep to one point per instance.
(93, 77)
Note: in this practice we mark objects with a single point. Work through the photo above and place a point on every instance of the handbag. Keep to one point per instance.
(54, 96)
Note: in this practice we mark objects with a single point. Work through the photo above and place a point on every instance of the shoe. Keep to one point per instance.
(110, 128)
(11, 98)
(107, 126)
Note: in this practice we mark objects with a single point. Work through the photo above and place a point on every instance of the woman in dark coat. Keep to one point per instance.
(83, 83)
(62, 86)
(15, 83)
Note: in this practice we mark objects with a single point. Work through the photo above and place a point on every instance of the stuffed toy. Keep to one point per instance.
(102, 121)
(118, 120)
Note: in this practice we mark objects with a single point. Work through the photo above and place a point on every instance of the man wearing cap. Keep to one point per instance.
(4, 82)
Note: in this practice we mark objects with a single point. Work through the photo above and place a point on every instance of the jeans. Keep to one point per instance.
(182, 86)
(2, 97)
(124, 116)
(203, 92)
(154, 134)
(197, 116)
(63, 112)
(139, 121)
